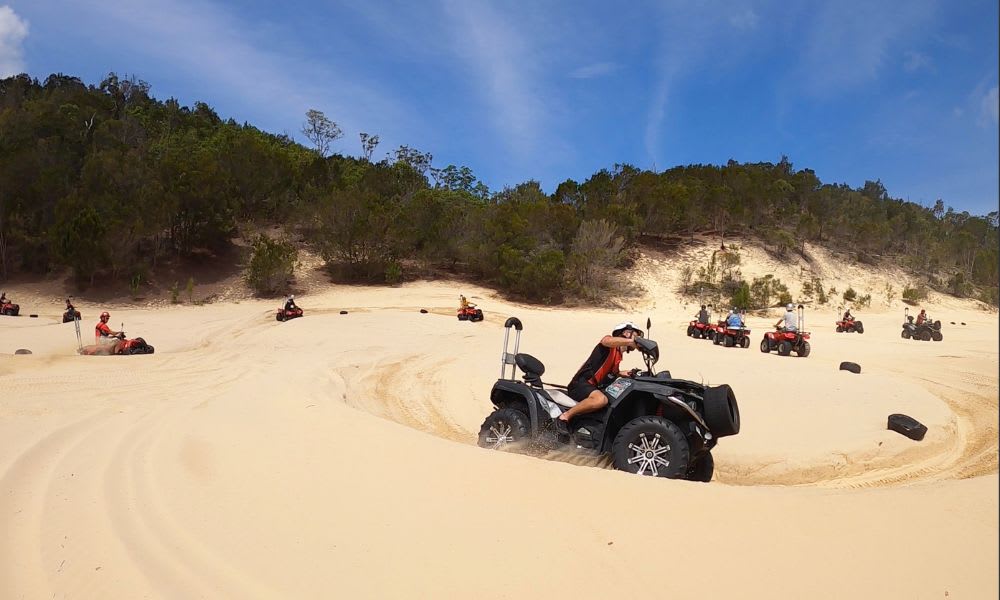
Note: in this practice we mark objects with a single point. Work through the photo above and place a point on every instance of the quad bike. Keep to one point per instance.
(924, 332)
(697, 329)
(730, 337)
(121, 346)
(10, 309)
(470, 313)
(653, 424)
(715, 332)
(786, 341)
(291, 313)
(71, 315)
(850, 326)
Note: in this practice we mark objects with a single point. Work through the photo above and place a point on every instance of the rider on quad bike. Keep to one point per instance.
(787, 335)
(71, 313)
(599, 370)
(7, 307)
(849, 324)
(701, 326)
(290, 310)
(734, 333)
(103, 334)
(924, 329)
(467, 311)
(650, 423)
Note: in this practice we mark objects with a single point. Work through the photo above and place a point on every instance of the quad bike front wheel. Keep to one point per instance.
(937, 336)
(765, 346)
(905, 334)
(651, 446)
(504, 429)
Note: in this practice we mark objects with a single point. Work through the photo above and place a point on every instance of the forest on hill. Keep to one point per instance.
(108, 181)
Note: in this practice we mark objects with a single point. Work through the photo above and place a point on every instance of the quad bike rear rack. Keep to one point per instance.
(507, 358)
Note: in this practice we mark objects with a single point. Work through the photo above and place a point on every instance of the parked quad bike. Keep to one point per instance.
(850, 326)
(786, 342)
(653, 424)
(10, 309)
(121, 346)
(285, 315)
(925, 332)
(71, 315)
(470, 313)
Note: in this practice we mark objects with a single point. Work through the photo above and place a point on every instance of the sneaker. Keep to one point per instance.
(560, 426)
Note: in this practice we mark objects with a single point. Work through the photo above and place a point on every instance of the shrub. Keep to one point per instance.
(913, 296)
(850, 295)
(959, 286)
(784, 297)
(864, 301)
(271, 265)
(890, 293)
(190, 289)
(175, 293)
(393, 273)
(741, 297)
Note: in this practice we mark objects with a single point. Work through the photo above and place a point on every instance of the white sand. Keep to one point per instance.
(334, 456)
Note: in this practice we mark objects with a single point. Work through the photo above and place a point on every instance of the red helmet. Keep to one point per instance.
(105, 316)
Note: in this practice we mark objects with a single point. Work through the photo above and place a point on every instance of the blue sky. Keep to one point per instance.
(905, 92)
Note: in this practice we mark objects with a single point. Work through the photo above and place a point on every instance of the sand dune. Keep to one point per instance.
(334, 456)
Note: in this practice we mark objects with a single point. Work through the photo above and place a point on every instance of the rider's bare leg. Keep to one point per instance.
(595, 401)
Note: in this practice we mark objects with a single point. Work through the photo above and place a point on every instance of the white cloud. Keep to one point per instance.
(991, 107)
(914, 61)
(593, 70)
(500, 57)
(13, 30)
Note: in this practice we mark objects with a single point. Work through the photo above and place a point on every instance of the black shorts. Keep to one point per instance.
(579, 389)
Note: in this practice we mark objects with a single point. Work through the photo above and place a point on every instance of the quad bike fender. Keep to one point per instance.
(624, 393)
(506, 392)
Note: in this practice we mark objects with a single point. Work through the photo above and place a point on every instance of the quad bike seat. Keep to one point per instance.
(533, 371)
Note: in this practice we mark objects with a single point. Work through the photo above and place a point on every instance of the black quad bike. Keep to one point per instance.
(653, 425)
(925, 332)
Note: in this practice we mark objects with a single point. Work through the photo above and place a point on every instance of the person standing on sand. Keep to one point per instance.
(600, 369)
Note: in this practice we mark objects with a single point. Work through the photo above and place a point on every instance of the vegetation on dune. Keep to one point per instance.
(106, 180)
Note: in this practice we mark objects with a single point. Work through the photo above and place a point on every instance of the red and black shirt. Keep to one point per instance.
(601, 367)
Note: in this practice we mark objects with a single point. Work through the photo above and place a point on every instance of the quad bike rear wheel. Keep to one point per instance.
(745, 342)
(504, 429)
(651, 446)
(727, 341)
(803, 349)
(785, 348)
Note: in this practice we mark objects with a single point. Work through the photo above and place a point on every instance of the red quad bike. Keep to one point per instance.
(715, 332)
(10, 309)
(787, 341)
(697, 329)
(122, 347)
(470, 313)
(654, 424)
(738, 337)
(850, 326)
(285, 315)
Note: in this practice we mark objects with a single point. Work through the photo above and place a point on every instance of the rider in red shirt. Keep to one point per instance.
(102, 332)
(600, 369)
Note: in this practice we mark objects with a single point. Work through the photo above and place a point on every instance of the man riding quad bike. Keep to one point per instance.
(289, 311)
(653, 424)
(467, 311)
(733, 333)
(71, 313)
(701, 326)
(848, 324)
(787, 335)
(118, 347)
(924, 330)
(8, 308)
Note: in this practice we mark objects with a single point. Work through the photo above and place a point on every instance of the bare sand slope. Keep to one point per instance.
(334, 456)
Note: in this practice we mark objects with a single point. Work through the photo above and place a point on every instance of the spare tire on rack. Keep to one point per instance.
(722, 413)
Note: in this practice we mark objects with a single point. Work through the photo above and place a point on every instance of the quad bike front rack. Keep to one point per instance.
(507, 358)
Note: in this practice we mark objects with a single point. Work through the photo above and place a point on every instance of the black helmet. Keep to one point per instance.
(703, 307)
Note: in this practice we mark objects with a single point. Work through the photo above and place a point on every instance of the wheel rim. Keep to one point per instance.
(501, 434)
(648, 454)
